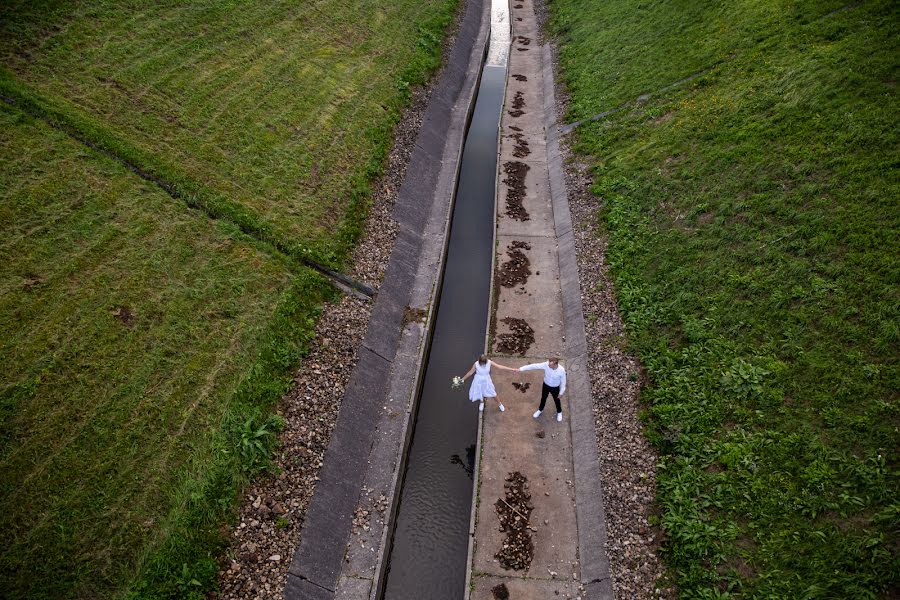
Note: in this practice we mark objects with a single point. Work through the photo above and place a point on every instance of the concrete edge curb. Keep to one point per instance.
(318, 560)
(590, 513)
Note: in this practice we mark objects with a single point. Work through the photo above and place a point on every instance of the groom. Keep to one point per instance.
(554, 383)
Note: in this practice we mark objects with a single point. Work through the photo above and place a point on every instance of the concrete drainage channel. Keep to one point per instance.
(344, 548)
(430, 544)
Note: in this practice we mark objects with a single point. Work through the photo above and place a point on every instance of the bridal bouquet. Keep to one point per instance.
(456, 382)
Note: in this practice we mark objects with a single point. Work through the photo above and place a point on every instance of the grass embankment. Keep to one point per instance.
(753, 223)
(274, 115)
(143, 343)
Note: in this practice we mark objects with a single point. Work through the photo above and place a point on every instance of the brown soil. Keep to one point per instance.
(518, 77)
(515, 178)
(514, 512)
(518, 100)
(518, 104)
(522, 387)
(516, 270)
(521, 149)
(517, 342)
(31, 281)
(124, 314)
(540, 434)
(412, 315)
(500, 592)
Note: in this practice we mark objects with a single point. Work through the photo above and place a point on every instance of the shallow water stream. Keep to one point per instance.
(430, 540)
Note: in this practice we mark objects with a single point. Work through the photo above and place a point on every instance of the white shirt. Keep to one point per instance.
(552, 377)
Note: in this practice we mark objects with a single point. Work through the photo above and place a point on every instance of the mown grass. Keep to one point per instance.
(144, 343)
(129, 322)
(753, 223)
(275, 115)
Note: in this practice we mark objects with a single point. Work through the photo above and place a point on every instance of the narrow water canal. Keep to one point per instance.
(430, 540)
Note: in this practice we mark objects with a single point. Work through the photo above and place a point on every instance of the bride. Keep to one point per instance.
(482, 385)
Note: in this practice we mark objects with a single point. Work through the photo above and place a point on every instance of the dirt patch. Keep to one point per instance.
(540, 434)
(31, 281)
(124, 314)
(519, 340)
(663, 118)
(523, 49)
(515, 178)
(518, 77)
(514, 512)
(500, 592)
(524, 40)
(522, 387)
(413, 315)
(518, 104)
(516, 270)
(517, 6)
(521, 148)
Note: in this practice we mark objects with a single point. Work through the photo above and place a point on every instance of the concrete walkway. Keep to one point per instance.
(559, 459)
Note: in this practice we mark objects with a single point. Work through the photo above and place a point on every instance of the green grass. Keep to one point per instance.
(129, 322)
(145, 336)
(275, 115)
(753, 222)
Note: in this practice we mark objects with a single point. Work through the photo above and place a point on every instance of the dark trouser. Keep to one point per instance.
(550, 390)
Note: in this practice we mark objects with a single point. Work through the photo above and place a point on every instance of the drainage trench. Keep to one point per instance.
(428, 555)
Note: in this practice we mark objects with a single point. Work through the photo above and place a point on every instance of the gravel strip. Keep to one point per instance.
(627, 460)
(263, 543)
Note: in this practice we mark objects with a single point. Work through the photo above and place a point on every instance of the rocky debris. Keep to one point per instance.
(518, 104)
(516, 270)
(500, 592)
(271, 514)
(514, 512)
(515, 178)
(627, 460)
(522, 387)
(519, 340)
(256, 562)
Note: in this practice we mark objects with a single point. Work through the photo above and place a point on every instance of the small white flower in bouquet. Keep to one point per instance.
(457, 382)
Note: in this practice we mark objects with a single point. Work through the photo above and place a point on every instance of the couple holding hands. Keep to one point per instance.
(483, 387)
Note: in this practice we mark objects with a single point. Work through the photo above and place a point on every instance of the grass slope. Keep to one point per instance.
(753, 223)
(144, 344)
(274, 114)
(129, 322)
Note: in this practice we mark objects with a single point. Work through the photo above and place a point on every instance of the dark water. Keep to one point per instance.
(428, 555)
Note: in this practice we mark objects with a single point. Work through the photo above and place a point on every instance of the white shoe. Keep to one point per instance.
(502, 408)
(536, 414)
(481, 407)
(559, 417)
